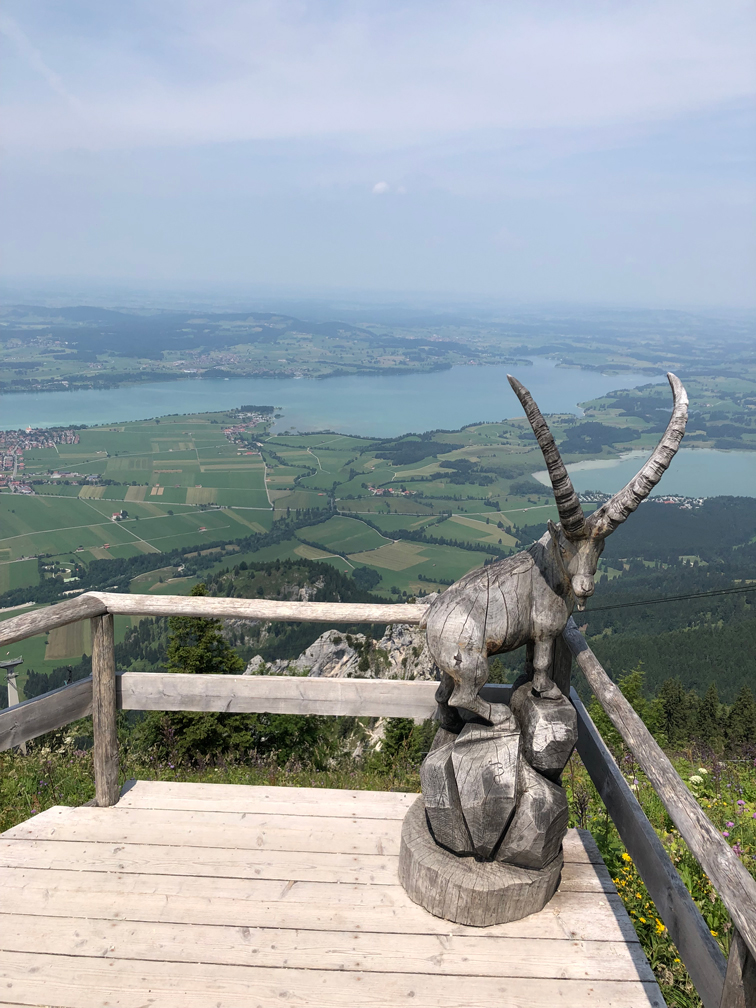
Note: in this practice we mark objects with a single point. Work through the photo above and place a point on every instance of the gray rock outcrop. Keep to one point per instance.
(400, 654)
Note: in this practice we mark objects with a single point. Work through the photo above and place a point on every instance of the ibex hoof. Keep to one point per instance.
(548, 690)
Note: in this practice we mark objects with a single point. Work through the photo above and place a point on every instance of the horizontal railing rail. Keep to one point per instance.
(720, 985)
(94, 604)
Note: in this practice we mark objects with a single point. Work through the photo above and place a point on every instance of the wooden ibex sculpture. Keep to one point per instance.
(528, 598)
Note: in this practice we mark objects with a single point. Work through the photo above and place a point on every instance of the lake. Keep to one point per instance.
(378, 405)
(694, 472)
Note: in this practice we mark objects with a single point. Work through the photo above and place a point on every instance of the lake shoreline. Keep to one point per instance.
(388, 405)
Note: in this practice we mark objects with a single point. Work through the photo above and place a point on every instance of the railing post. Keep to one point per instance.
(740, 981)
(104, 711)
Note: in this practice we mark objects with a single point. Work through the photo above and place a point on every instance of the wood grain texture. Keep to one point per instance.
(276, 694)
(86, 982)
(740, 982)
(104, 711)
(726, 871)
(88, 922)
(45, 713)
(460, 955)
(283, 800)
(466, 891)
(675, 906)
(228, 862)
(259, 609)
(255, 831)
(30, 624)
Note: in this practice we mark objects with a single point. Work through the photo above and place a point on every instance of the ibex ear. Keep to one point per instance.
(554, 531)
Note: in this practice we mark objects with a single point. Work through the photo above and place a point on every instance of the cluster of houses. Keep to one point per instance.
(390, 492)
(17, 441)
(235, 434)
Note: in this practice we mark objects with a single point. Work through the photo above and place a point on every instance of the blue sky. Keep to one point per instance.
(528, 151)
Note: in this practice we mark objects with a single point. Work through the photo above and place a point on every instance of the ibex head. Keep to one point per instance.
(577, 540)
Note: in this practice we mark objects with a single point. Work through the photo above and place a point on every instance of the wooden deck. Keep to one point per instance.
(218, 896)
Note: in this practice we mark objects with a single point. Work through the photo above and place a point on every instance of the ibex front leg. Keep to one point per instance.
(468, 668)
(543, 659)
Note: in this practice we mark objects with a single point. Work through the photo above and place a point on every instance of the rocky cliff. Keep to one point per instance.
(401, 653)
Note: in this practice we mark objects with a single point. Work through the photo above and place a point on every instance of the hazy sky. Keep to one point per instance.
(591, 151)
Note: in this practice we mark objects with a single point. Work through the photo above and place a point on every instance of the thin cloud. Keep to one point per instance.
(187, 73)
(34, 59)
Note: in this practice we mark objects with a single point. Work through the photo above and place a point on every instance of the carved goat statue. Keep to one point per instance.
(527, 599)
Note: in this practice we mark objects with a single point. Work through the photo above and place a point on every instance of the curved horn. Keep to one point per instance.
(570, 512)
(606, 518)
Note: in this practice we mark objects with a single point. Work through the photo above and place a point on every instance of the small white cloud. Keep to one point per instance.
(380, 188)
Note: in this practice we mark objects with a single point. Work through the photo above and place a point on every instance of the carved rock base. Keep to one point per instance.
(464, 890)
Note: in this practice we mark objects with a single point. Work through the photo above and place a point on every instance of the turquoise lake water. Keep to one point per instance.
(388, 405)
(694, 472)
(379, 405)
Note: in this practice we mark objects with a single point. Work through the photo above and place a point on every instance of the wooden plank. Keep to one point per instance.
(292, 794)
(45, 713)
(740, 982)
(83, 982)
(206, 829)
(41, 620)
(583, 879)
(459, 955)
(584, 916)
(728, 874)
(253, 831)
(283, 801)
(225, 862)
(259, 609)
(104, 712)
(155, 859)
(276, 694)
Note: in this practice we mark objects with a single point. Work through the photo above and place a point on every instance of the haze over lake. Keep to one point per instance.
(377, 405)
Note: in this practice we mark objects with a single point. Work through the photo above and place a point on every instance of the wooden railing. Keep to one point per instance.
(720, 983)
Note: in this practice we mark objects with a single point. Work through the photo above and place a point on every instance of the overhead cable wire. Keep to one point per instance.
(741, 590)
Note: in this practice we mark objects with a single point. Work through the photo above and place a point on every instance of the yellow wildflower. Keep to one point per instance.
(715, 933)
(626, 857)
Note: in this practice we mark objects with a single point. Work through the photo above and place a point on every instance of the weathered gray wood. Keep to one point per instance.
(485, 762)
(104, 711)
(534, 836)
(466, 891)
(561, 666)
(91, 604)
(276, 694)
(460, 955)
(41, 620)
(83, 923)
(583, 916)
(528, 598)
(45, 713)
(254, 831)
(549, 730)
(228, 862)
(726, 871)
(259, 609)
(247, 798)
(88, 982)
(687, 928)
(740, 981)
